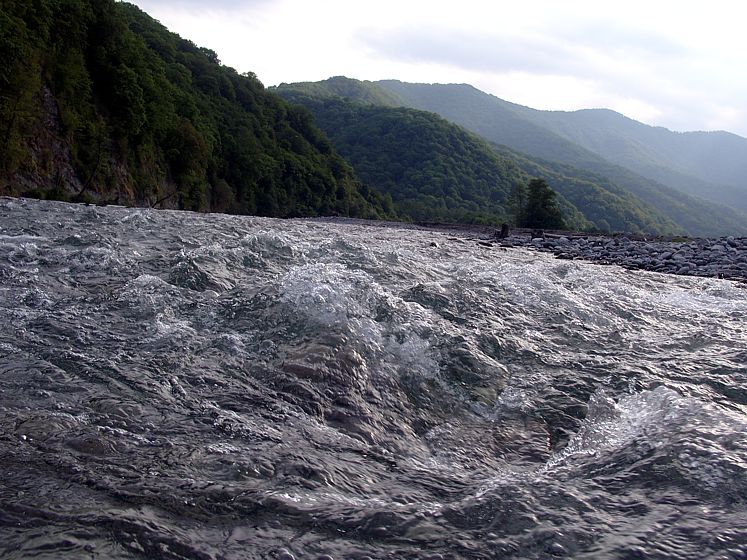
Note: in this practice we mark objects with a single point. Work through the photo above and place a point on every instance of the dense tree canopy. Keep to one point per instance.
(148, 117)
(538, 208)
(434, 170)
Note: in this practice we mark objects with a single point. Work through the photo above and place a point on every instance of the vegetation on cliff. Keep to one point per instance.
(99, 100)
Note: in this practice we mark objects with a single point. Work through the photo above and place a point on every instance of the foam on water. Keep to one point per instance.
(698, 436)
(184, 386)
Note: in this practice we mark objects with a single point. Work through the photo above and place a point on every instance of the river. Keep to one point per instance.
(191, 386)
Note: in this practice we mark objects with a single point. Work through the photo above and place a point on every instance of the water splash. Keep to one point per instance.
(186, 386)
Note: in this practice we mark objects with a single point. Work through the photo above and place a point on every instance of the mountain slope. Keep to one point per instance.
(429, 165)
(490, 117)
(99, 101)
(505, 123)
(434, 170)
(712, 165)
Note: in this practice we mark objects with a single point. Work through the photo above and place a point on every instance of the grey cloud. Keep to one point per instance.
(539, 54)
(612, 38)
(557, 53)
(476, 52)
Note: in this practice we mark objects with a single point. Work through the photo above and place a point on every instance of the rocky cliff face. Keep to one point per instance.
(47, 169)
(48, 163)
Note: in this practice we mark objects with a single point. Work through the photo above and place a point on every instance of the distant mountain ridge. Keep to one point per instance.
(526, 130)
(712, 165)
(716, 157)
(572, 169)
(436, 170)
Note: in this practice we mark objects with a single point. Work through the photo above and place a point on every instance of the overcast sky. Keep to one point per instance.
(679, 64)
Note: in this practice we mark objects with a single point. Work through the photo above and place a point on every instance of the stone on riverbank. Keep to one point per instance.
(720, 258)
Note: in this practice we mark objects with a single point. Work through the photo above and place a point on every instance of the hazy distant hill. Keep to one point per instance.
(98, 101)
(436, 170)
(522, 129)
(711, 165)
(346, 88)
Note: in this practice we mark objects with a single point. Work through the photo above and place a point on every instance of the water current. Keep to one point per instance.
(186, 386)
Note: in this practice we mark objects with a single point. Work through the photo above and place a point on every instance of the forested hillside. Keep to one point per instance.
(99, 101)
(506, 123)
(412, 155)
(434, 170)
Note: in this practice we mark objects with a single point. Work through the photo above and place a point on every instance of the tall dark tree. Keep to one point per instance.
(517, 202)
(541, 208)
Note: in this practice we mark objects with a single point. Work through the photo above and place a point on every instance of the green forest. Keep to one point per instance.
(101, 103)
(433, 169)
(98, 101)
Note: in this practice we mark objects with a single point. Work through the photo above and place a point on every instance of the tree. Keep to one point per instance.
(517, 202)
(541, 207)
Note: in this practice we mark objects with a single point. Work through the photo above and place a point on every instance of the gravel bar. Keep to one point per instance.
(725, 257)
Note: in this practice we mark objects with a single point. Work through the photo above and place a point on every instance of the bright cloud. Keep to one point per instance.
(677, 64)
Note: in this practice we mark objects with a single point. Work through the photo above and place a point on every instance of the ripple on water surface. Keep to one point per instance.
(177, 385)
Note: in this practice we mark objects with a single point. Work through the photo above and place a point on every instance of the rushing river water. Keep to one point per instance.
(176, 385)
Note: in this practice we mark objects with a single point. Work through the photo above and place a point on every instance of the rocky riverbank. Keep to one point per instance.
(725, 257)
(716, 258)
